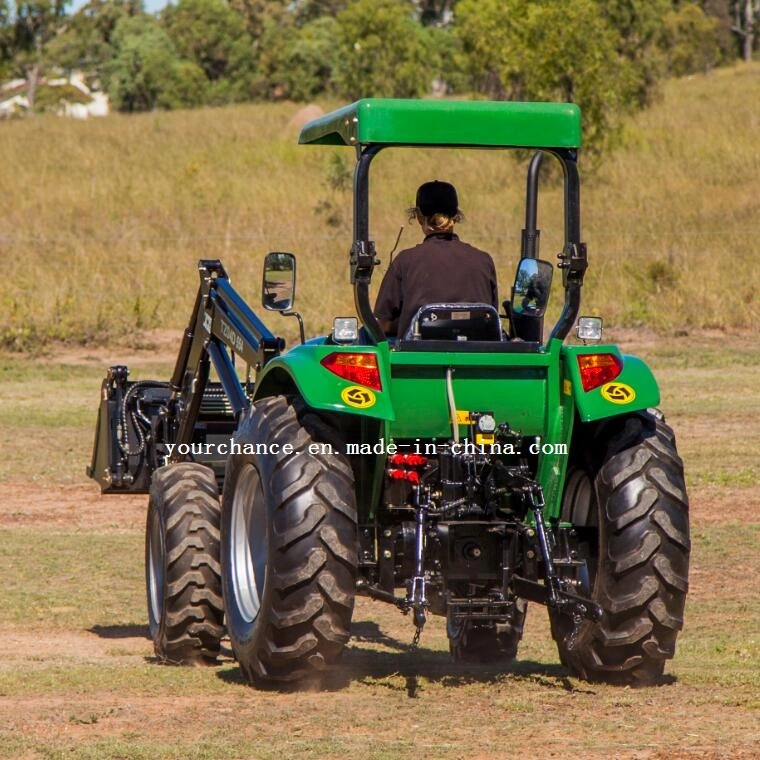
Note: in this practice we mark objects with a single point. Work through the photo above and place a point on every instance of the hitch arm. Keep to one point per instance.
(551, 593)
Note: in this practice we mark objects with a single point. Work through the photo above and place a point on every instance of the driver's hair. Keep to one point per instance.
(436, 222)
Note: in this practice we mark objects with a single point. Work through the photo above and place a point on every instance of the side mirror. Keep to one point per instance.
(278, 286)
(530, 294)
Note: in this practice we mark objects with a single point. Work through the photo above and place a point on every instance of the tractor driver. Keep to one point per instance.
(441, 269)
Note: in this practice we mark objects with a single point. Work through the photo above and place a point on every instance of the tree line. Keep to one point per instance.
(606, 55)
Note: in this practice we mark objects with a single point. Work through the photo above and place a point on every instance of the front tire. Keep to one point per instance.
(182, 572)
(289, 547)
(631, 513)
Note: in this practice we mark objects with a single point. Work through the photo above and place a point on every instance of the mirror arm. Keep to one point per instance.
(298, 316)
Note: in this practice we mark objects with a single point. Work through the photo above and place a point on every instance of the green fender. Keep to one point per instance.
(632, 390)
(299, 370)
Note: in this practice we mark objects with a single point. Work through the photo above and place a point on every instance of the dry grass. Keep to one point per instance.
(103, 221)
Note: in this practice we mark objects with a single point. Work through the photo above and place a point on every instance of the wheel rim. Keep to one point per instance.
(156, 570)
(249, 547)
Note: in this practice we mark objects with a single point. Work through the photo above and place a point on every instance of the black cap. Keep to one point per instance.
(437, 198)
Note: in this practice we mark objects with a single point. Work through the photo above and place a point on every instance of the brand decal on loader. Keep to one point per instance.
(463, 417)
(618, 393)
(358, 397)
(235, 340)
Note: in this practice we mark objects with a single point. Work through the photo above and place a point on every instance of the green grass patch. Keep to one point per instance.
(72, 579)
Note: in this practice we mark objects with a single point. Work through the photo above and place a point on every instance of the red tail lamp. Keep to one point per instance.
(358, 368)
(598, 369)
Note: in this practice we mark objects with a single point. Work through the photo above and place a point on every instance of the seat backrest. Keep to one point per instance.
(456, 321)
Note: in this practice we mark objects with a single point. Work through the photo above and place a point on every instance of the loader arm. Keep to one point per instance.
(143, 425)
(221, 326)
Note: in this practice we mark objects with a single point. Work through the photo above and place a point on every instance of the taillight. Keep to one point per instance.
(598, 369)
(357, 368)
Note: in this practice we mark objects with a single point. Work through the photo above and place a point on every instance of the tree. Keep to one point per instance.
(560, 50)
(37, 22)
(691, 40)
(384, 51)
(255, 13)
(85, 42)
(746, 22)
(147, 73)
(310, 10)
(639, 25)
(6, 36)
(297, 62)
(721, 11)
(213, 36)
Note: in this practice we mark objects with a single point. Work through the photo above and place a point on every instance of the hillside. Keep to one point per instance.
(103, 221)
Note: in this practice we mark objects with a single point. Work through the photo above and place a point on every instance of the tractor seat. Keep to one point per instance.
(456, 321)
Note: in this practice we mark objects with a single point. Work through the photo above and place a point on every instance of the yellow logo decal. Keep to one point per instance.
(567, 387)
(357, 396)
(463, 418)
(618, 393)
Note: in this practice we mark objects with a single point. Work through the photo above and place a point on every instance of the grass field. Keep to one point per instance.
(103, 221)
(78, 680)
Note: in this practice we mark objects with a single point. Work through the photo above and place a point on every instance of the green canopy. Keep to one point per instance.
(448, 122)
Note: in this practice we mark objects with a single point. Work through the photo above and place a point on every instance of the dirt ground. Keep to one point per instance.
(96, 691)
(551, 713)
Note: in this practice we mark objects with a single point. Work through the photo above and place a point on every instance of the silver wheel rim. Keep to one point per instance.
(155, 569)
(249, 543)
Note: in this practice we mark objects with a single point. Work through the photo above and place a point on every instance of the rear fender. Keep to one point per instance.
(632, 390)
(299, 372)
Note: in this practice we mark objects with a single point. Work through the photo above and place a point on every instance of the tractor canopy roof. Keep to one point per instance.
(478, 124)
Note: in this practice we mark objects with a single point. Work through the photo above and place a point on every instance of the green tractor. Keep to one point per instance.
(463, 470)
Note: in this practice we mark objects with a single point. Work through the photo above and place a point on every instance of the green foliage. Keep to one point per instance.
(85, 42)
(638, 24)
(256, 13)
(691, 40)
(6, 37)
(722, 12)
(553, 50)
(147, 73)
(609, 56)
(309, 10)
(52, 98)
(213, 36)
(35, 24)
(297, 62)
(384, 51)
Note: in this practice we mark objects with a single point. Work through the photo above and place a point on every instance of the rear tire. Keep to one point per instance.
(633, 529)
(487, 642)
(289, 548)
(182, 572)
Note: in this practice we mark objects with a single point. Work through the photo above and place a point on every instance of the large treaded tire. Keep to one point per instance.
(636, 539)
(289, 548)
(487, 642)
(182, 570)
